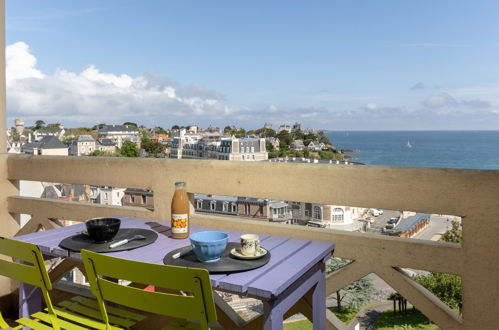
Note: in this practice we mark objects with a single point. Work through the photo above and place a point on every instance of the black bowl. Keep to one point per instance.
(103, 230)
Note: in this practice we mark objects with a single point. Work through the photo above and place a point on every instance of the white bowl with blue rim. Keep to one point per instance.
(208, 246)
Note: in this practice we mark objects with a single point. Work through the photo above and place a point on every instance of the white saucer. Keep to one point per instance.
(237, 253)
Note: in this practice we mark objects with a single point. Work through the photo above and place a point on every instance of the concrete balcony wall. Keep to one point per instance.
(471, 194)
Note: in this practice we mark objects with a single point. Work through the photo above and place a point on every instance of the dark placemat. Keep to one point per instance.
(227, 263)
(81, 241)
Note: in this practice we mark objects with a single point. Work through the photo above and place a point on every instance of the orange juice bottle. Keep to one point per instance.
(180, 212)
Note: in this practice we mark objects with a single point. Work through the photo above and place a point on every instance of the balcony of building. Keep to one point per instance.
(471, 194)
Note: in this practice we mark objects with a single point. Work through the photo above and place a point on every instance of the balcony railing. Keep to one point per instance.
(471, 194)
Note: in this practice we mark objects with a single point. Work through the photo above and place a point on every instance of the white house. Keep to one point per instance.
(119, 134)
(47, 145)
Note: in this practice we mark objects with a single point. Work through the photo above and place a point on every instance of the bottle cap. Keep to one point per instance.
(179, 184)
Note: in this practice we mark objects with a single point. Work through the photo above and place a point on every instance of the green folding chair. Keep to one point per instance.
(78, 313)
(33, 272)
(191, 303)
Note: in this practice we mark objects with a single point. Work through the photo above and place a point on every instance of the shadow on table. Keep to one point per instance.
(160, 228)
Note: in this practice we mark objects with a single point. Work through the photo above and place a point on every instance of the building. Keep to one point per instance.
(284, 128)
(83, 145)
(119, 134)
(243, 207)
(327, 216)
(138, 197)
(162, 138)
(214, 146)
(410, 226)
(106, 145)
(316, 146)
(296, 127)
(297, 145)
(19, 126)
(274, 141)
(46, 145)
(107, 195)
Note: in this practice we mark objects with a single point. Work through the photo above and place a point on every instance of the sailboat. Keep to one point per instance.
(409, 144)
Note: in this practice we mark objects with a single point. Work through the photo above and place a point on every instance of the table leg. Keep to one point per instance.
(274, 316)
(318, 299)
(275, 308)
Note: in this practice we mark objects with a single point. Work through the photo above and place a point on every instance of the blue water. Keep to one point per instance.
(446, 149)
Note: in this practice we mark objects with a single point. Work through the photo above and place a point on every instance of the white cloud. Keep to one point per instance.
(92, 96)
(20, 63)
(442, 100)
(439, 100)
(371, 106)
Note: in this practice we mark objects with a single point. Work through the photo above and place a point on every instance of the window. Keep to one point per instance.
(225, 207)
(252, 149)
(317, 213)
(234, 208)
(338, 215)
(213, 205)
(253, 157)
(260, 210)
(199, 204)
(105, 195)
(132, 199)
(243, 157)
(144, 199)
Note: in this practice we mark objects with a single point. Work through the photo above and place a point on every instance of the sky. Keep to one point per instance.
(336, 65)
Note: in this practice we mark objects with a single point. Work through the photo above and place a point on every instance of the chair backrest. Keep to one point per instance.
(198, 304)
(29, 269)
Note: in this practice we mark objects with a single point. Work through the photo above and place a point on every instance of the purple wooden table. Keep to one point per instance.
(296, 266)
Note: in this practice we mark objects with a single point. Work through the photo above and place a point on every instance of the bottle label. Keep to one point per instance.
(179, 223)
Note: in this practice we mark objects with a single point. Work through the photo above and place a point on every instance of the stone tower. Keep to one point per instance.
(19, 126)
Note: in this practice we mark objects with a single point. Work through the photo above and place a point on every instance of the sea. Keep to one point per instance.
(442, 149)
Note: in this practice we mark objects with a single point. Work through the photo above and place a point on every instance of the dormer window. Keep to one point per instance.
(199, 204)
(213, 205)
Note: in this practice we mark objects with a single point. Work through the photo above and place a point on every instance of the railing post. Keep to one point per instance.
(8, 224)
(3, 98)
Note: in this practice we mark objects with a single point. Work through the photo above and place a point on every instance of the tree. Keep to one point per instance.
(453, 235)
(153, 148)
(100, 153)
(266, 132)
(129, 123)
(96, 127)
(39, 124)
(175, 127)
(298, 134)
(356, 294)
(285, 139)
(447, 287)
(129, 149)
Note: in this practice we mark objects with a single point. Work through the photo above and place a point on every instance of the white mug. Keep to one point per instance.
(250, 244)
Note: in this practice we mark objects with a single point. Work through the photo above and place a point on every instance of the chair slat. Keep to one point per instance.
(170, 277)
(113, 310)
(154, 302)
(63, 323)
(90, 312)
(197, 305)
(33, 324)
